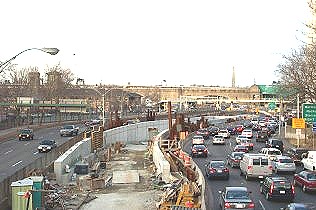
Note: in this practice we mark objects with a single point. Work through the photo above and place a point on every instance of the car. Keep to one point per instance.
(199, 150)
(224, 133)
(275, 143)
(197, 140)
(277, 187)
(241, 148)
(247, 142)
(203, 132)
(217, 169)
(239, 128)
(283, 163)
(271, 153)
(231, 130)
(218, 140)
(254, 165)
(213, 130)
(262, 136)
(247, 133)
(256, 127)
(300, 206)
(233, 159)
(239, 138)
(262, 123)
(47, 145)
(26, 134)
(305, 179)
(296, 154)
(236, 198)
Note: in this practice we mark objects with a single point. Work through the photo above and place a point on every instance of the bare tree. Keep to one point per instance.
(66, 76)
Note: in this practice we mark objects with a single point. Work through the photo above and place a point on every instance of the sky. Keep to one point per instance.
(146, 42)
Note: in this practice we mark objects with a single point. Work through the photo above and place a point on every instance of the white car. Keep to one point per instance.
(224, 133)
(283, 163)
(217, 139)
(271, 153)
(247, 133)
(239, 138)
(197, 140)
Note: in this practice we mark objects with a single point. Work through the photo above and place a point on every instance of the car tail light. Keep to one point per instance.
(205, 150)
(227, 205)
(212, 170)
(271, 188)
(251, 205)
(270, 167)
(194, 150)
(249, 167)
(293, 190)
(251, 144)
(235, 160)
(226, 170)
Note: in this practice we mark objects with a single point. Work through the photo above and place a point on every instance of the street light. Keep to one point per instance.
(103, 103)
(51, 51)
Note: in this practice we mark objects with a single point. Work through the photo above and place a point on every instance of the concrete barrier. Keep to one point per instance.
(70, 157)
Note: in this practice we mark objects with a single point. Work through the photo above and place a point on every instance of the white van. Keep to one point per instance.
(309, 160)
(255, 165)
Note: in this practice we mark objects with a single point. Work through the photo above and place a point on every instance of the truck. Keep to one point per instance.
(69, 130)
(309, 160)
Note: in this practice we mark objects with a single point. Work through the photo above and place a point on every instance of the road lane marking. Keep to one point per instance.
(16, 163)
(262, 205)
(35, 153)
(11, 150)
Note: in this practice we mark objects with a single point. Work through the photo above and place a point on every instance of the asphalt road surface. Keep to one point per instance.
(220, 152)
(15, 154)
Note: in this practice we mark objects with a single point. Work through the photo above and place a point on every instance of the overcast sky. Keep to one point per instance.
(143, 42)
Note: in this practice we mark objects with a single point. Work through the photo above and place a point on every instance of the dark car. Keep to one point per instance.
(262, 136)
(47, 145)
(198, 150)
(213, 130)
(275, 143)
(241, 148)
(203, 132)
(296, 154)
(234, 158)
(306, 180)
(231, 130)
(256, 127)
(236, 198)
(217, 168)
(300, 206)
(26, 134)
(277, 187)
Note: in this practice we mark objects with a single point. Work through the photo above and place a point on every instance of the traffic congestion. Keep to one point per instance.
(248, 165)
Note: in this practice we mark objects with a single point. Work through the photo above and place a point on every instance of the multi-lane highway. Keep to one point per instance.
(220, 152)
(15, 154)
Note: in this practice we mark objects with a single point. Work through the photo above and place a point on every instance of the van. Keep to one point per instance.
(309, 160)
(256, 166)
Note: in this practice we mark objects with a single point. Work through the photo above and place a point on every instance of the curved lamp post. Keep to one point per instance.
(52, 51)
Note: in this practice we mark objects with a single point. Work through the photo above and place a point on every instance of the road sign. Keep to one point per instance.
(309, 112)
(298, 123)
(272, 105)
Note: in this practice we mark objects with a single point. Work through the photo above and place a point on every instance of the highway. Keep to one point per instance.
(15, 154)
(220, 152)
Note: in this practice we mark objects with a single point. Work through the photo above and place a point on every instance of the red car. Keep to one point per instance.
(305, 179)
(239, 128)
(241, 148)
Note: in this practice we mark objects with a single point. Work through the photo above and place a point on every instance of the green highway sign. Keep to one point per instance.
(309, 112)
(272, 105)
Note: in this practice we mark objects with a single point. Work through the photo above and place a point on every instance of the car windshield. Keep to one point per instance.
(311, 177)
(68, 127)
(285, 160)
(199, 146)
(238, 156)
(217, 136)
(274, 152)
(47, 142)
(282, 184)
(26, 131)
(237, 195)
(217, 164)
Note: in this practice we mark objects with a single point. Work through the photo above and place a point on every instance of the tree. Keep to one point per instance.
(66, 76)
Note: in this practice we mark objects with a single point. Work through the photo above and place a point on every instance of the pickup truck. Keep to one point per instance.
(69, 130)
(309, 160)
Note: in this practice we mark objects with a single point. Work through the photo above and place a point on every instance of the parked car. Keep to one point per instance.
(275, 143)
(198, 150)
(241, 148)
(283, 163)
(203, 132)
(224, 133)
(26, 134)
(217, 169)
(300, 206)
(197, 140)
(262, 136)
(277, 187)
(233, 159)
(236, 198)
(296, 154)
(306, 180)
(218, 140)
(213, 130)
(255, 165)
(47, 145)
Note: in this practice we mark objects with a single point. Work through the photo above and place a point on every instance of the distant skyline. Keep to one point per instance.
(163, 42)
